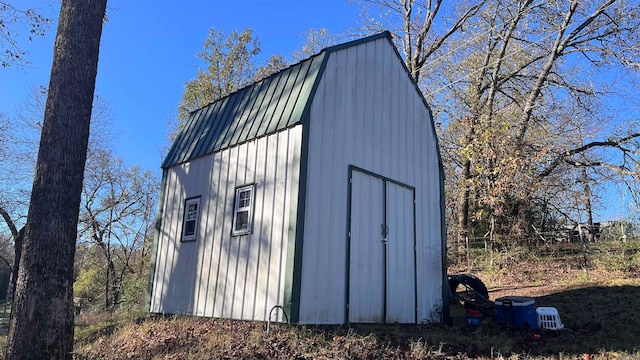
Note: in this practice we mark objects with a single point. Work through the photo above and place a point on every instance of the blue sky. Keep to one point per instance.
(147, 54)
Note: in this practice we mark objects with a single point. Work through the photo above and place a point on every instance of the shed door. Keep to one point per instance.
(381, 251)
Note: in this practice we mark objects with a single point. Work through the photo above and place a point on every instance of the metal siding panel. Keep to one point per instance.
(312, 258)
(253, 240)
(284, 175)
(234, 108)
(247, 132)
(356, 122)
(295, 98)
(179, 280)
(198, 132)
(387, 114)
(244, 122)
(270, 278)
(271, 115)
(222, 121)
(207, 131)
(233, 247)
(203, 242)
(175, 153)
(214, 220)
(163, 239)
(277, 245)
(242, 242)
(193, 133)
(262, 116)
(252, 289)
(400, 255)
(194, 182)
(263, 108)
(239, 118)
(170, 244)
(324, 251)
(323, 290)
(260, 219)
(366, 262)
(295, 226)
(279, 116)
(306, 89)
(224, 229)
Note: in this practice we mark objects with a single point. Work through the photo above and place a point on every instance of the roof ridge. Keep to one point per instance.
(328, 49)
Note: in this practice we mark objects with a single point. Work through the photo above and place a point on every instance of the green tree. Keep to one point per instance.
(314, 40)
(229, 62)
(274, 64)
(229, 65)
(116, 216)
(42, 320)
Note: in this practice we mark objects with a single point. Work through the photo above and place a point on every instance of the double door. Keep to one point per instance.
(382, 279)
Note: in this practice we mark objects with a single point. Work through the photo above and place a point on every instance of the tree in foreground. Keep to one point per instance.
(42, 322)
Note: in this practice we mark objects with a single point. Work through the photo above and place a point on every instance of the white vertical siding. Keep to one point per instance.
(366, 260)
(220, 275)
(367, 113)
(400, 275)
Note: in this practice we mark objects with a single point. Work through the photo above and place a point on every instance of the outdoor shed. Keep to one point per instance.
(316, 193)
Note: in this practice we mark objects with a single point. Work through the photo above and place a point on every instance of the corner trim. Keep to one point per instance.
(156, 239)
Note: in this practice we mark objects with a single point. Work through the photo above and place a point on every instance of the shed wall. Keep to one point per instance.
(367, 113)
(220, 275)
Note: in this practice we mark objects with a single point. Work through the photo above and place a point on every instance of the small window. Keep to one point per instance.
(243, 210)
(190, 224)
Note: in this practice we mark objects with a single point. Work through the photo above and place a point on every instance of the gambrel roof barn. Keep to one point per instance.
(316, 192)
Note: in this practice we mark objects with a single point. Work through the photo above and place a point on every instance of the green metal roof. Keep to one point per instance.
(265, 107)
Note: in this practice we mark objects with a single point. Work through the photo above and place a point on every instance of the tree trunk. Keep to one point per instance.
(16, 262)
(17, 235)
(588, 208)
(465, 191)
(42, 321)
(463, 205)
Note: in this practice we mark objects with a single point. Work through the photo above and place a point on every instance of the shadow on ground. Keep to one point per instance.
(596, 320)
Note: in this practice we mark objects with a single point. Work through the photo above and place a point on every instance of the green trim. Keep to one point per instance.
(294, 250)
(443, 229)
(384, 34)
(156, 238)
(348, 252)
(293, 273)
(415, 260)
(443, 225)
(323, 57)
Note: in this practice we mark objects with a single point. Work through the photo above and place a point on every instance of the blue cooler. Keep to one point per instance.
(517, 311)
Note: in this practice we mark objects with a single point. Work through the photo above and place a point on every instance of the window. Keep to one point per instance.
(190, 221)
(243, 210)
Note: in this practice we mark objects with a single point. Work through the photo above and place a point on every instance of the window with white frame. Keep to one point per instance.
(243, 210)
(190, 220)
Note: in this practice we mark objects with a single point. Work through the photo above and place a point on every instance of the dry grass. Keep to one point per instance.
(600, 316)
(597, 304)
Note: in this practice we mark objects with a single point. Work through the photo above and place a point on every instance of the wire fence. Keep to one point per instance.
(481, 253)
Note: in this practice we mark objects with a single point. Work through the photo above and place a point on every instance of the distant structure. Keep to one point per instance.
(602, 231)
